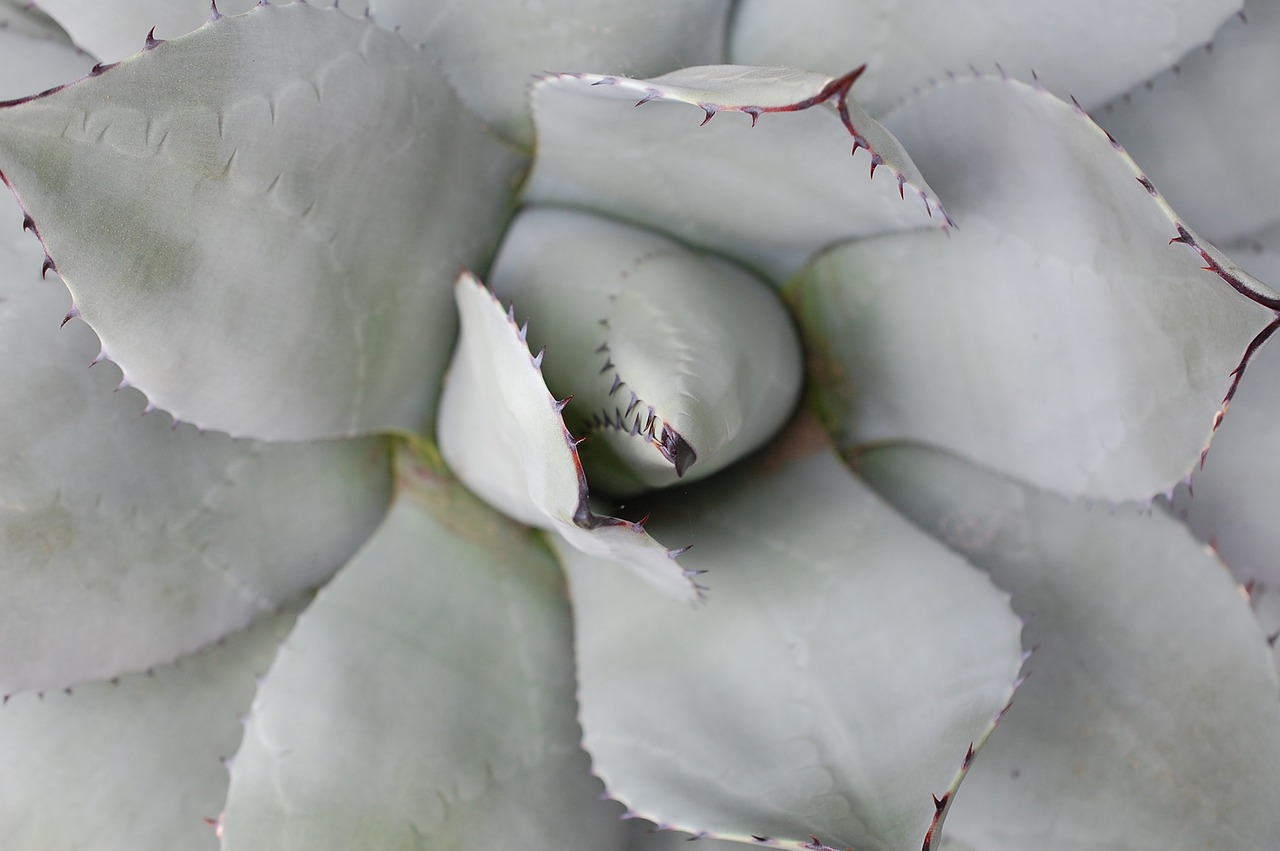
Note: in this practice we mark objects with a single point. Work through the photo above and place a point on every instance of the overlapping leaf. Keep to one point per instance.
(831, 687)
(1205, 132)
(491, 50)
(135, 762)
(769, 194)
(1056, 335)
(1093, 49)
(425, 700)
(119, 525)
(502, 434)
(678, 362)
(1150, 718)
(261, 220)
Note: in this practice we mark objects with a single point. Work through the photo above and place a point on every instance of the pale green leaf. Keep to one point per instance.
(502, 434)
(425, 700)
(491, 50)
(34, 55)
(770, 194)
(678, 362)
(114, 29)
(125, 542)
(831, 686)
(262, 219)
(1093, 49)
(1231, 500)
(133, 763)
(1151, 716)
(1206, 132)
(1055, 335)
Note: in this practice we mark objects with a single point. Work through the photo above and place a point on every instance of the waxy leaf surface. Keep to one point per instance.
(502, 434)
(115, 524)
(1150, 717)
(492, 50)
(678, 362)
(1093, 49)
(425, 700)
(1055, 335)
(114, 29)
(831, 686)
(136, 762)
(769, 194)
(1206, 132)
(262, 219)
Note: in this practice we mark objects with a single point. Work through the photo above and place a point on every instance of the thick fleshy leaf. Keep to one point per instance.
(502, 434)
(114, 29)
(125, 542)
(1150, 718)
(678, 362)
(1093, 49)
(1056, 335)
(262, 219)
(1206, 131)
(425, 700)
(1231, 502)
(841, 670)
(135, 762)
(34, 53)
(491, 49)
(767, 188)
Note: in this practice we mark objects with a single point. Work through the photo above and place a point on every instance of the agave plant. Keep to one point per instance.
(733, 489)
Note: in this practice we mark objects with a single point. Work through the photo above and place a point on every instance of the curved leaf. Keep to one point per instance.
(261, 220)
(502, 434)
(1056, 335)
(425, 700)
(114, 29)
(1205, 132)
(1092, 49)
(1230, 502)
(678, 362)
(34, 54)
(843, 666)
(491, 49)
(770, 192)
(1150, 718)
(131, 763)
(125, 542)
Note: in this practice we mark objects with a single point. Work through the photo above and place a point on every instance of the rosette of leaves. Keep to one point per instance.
(365, 553)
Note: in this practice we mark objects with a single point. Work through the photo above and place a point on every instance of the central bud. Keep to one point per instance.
(678, 362)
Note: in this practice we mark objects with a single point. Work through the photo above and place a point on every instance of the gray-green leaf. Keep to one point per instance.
(1151, 716)
(425, 700)
(841, 669)
(262, 219)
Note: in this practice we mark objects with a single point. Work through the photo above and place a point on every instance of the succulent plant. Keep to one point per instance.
(761, 477)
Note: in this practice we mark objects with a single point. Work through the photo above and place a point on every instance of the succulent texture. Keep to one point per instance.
(598, 424)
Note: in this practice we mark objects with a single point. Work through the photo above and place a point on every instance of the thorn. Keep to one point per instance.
(152, 42)
(560, 403)
(537, 359)
(73, 313)
(608, 365)
(28, 223)
(617, 382)
(48, 265)
(511, 313)
(649, 95)
(602, 348)
(578, 441)
(214, 14)
(1000, 68)
(524, 332)
(1076, 105)
(709, 110)
(754, 112)
(876, 160)
(679, 551)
